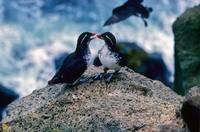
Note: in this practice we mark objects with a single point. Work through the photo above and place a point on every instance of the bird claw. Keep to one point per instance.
(108, 80)
(83, 80)
(98, 76)
(108, 76)
(145, 22)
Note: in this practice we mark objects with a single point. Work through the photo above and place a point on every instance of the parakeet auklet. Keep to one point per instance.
(109, 55)
(76, 63)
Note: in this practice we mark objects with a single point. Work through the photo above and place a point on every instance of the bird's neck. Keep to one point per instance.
(112, 49)
(82, 51)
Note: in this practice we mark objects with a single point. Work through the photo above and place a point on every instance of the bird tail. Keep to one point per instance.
(54, 80)
(113, 19)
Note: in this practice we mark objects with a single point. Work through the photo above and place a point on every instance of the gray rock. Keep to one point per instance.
(191, 109)
(187, 46)
(194, 91)
(131, 102)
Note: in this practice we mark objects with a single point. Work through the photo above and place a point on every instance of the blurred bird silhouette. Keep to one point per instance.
(129, 8)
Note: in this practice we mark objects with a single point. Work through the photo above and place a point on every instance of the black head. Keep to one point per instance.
(109, 39)
(84, 40)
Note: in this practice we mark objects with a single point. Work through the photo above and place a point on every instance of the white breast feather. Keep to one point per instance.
(88, 58)
(108, 59)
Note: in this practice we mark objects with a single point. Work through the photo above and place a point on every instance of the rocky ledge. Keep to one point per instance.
(131, 102)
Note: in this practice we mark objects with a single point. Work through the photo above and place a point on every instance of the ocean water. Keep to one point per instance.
(34, 32)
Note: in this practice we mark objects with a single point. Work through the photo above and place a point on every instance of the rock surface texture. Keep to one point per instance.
(187, 46)
(131, 102)
(191, 109)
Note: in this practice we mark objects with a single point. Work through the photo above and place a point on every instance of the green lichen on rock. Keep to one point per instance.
(187, 50)
(133, 54)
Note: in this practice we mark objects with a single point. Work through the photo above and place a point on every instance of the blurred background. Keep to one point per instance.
(35, 35)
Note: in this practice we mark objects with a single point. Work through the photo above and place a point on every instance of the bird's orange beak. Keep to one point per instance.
(94, 35)
(99, 36)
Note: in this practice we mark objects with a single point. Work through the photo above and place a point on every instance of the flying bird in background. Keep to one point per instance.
(129, 8)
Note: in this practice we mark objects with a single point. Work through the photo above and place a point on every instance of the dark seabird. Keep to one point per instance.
(76, 63)
(109, 55)
(129, 8)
